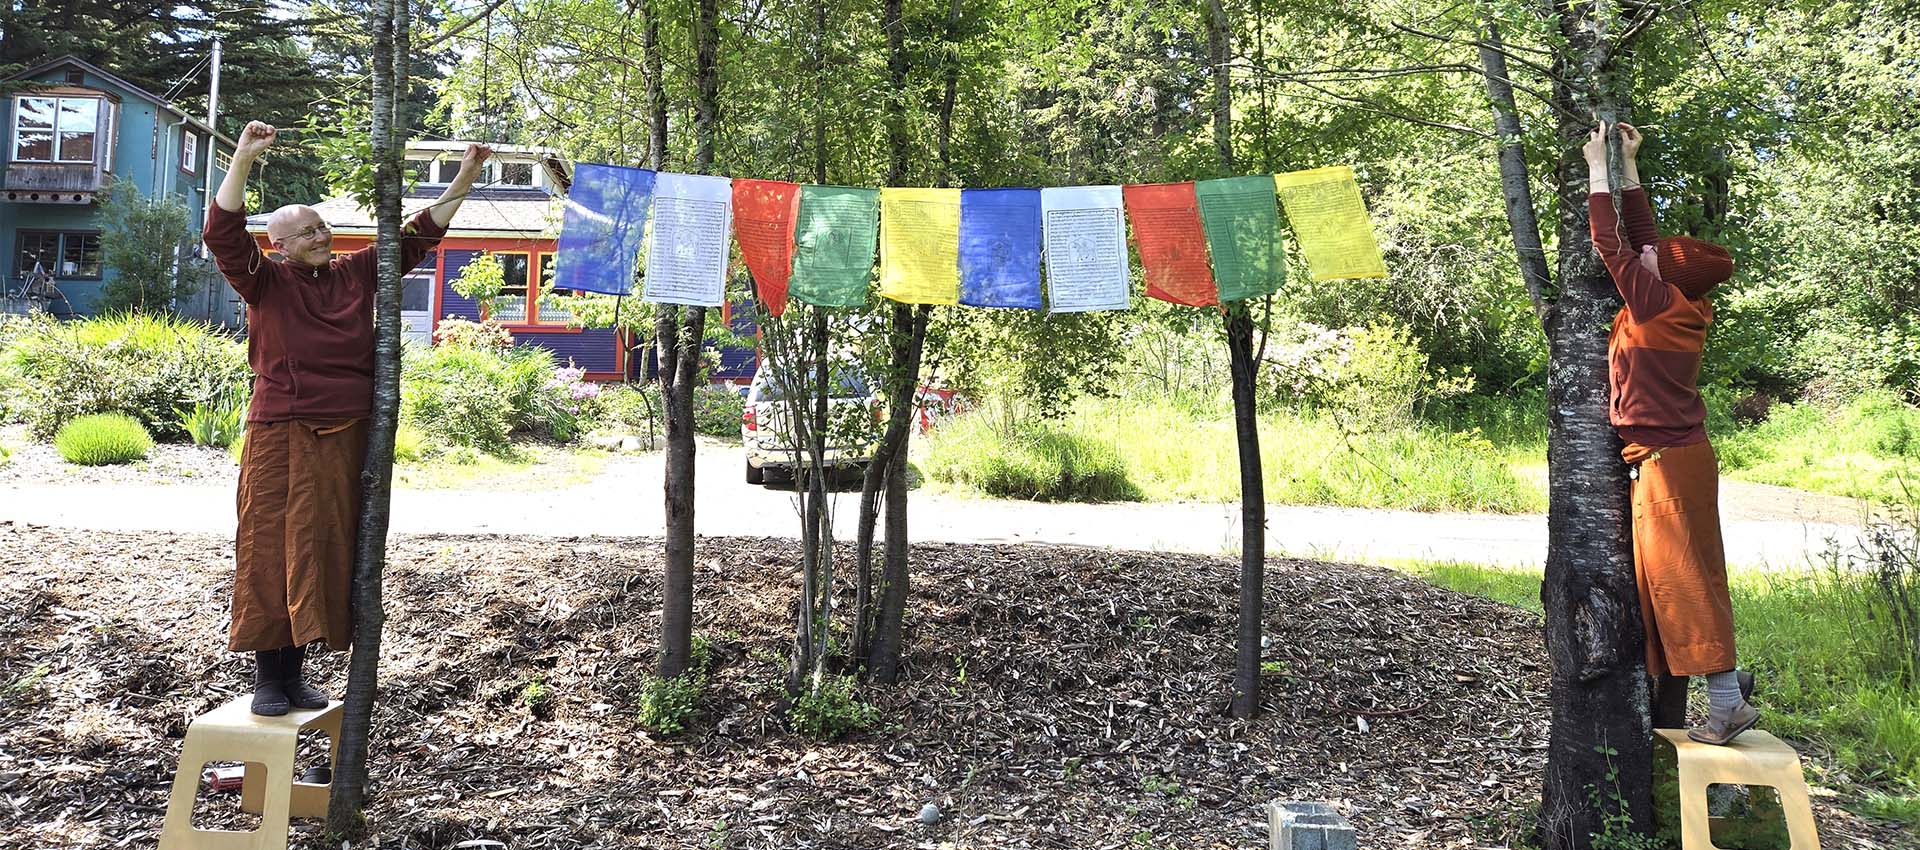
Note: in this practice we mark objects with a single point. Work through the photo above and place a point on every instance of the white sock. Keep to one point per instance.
(1723, 690)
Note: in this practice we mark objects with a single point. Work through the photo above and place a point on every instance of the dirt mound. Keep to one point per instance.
(1054, 697)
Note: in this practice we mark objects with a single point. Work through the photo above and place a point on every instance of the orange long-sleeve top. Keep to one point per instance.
(309, 328)
(1658, 337)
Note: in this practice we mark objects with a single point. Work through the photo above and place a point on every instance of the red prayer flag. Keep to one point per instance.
(763, 214)
(1172, 243)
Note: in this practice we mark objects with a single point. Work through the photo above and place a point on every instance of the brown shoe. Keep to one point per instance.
(1723, 726)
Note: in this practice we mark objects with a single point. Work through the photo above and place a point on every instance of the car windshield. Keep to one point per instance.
(848, 383)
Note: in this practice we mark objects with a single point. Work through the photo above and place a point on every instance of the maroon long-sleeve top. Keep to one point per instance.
(1654, 351)
(309, 328)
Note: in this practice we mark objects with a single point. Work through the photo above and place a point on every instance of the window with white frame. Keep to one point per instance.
(55, 129)
(445, 170)
(222, 160)
(189, 150)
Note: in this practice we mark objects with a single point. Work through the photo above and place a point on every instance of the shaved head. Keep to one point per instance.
(291, 219)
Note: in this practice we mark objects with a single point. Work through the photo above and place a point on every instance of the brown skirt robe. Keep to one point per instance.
(1679, 561)
(299, 506)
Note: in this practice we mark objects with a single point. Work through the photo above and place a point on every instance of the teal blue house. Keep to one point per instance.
(72, 130)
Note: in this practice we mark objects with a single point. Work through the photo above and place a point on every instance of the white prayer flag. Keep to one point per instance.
(1085, 244)
(687, 259)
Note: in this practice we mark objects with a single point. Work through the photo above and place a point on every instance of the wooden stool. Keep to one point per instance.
(1754, 758)
(266, 745)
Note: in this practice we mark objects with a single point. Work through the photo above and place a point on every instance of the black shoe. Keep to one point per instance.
(269, 697)
(299, 693)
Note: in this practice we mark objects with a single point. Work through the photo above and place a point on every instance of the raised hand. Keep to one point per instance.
(256, 138)
(476, 156)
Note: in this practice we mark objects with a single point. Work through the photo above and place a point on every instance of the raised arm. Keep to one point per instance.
(1625, 246)
(456, 192)
(226, 236)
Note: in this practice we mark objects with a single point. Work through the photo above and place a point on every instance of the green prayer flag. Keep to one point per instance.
(835, 236)
(1242, 222)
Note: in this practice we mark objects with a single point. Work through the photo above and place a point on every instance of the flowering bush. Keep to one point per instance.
(487, 335)
(568, 404)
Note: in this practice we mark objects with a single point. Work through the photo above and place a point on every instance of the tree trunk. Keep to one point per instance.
(1220, 58)
(345, 819)
(676, 616)
(1239, 320)
(656, 93)
(1253, 514)
(1600, 751)
(909, 337)
(1516, 185)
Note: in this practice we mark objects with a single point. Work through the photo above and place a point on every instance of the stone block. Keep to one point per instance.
(1303, 825)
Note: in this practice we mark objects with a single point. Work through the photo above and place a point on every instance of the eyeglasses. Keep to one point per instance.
(309, 233)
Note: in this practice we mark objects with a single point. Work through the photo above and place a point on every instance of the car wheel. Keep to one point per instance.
(755, 474)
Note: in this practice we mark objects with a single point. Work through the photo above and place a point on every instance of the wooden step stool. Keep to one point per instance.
(233, 732)
(1754, 758)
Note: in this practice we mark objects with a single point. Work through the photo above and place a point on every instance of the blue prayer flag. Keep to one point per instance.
(602, 230)
(1000, 248)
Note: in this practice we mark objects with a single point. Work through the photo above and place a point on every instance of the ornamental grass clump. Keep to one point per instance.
(103, 438)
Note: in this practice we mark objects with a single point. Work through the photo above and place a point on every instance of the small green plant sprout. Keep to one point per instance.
(831, 710)
(667, 706)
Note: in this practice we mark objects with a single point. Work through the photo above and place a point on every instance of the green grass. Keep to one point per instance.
(1173, 451)
(1038, 461)
(529, 467)
(103, 438)
(1865, 449)
(1829, 671)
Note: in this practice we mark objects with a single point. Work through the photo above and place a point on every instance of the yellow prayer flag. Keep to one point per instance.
(920, 245)
(1330, 220)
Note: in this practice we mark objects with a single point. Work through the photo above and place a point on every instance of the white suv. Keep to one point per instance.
(851, 414)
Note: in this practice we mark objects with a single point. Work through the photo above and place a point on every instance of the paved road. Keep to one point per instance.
(1769, 527)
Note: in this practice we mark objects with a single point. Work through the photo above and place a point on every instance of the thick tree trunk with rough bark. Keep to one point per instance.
(345, 820)
(1596, 643)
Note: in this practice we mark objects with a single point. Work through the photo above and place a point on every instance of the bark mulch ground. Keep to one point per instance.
(1054, 698)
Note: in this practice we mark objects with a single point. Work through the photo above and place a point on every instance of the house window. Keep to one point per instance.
(551, 309)
(418, 171)
(511, 306)
(446, 170)
(222, 160)
(55, 129)
(189, 150)
(516, 174)
(64, 254)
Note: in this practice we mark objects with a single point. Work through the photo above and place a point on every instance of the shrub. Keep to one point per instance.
(1033, 460)
(668, 705)
(103, 438)
(214, 423)
(567, 404)
(409, 444)
(147, 366)
(831, 710)
(462, 396)
(717, 411)
(460, 333)
(631, 408)
(1372, 378)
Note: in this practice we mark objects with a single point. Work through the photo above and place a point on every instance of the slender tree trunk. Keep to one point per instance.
(345, 819)
(1600, 742)
(676, 616)
(1516, 185)
(656, 93)
(910, 333)
(1239, 321)
(1220, 60)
